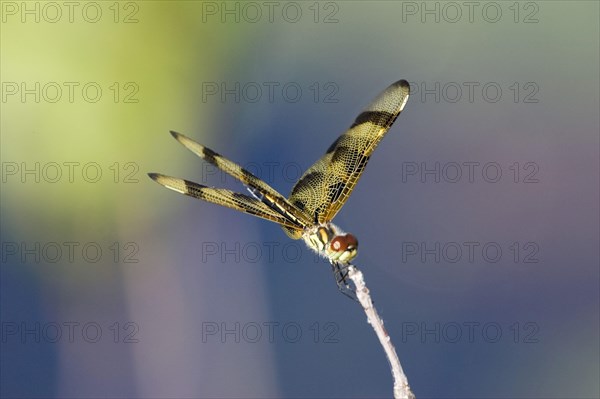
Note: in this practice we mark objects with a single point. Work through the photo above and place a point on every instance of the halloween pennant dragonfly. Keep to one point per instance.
(319, 193)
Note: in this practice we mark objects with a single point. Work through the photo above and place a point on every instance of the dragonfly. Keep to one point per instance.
(320, 192)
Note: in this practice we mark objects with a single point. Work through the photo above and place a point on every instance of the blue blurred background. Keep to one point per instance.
(477, 216)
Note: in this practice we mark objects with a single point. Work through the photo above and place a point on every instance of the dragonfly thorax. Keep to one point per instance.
(331, 242)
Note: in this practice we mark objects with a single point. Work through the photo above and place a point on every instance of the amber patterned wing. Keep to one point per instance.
(259, 189)
(223, 197)
(325, 186)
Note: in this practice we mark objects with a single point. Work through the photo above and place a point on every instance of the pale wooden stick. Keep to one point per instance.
(401, 387)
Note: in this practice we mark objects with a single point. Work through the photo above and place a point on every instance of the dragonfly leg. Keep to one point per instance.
(340, 272)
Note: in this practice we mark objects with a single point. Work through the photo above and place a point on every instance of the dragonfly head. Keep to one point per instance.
(343, 248)
(329, 241)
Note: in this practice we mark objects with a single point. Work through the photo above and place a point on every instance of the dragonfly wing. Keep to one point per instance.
(223, 197)
(261, 190)
(325, 186)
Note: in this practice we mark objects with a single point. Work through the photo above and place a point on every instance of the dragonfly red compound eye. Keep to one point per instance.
(344, 243)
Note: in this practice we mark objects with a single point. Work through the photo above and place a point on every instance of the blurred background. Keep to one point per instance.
(477, 216)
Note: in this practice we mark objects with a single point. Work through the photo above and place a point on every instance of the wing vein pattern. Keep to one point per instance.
(326, 185)
(224, 197)
(261, 190)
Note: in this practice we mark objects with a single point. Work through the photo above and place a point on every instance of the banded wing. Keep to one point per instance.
(259, 189)
(325, 186)
(230, 199)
